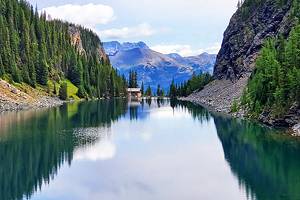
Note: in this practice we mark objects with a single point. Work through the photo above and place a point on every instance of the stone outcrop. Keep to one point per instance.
(76, 41)
(290, 119)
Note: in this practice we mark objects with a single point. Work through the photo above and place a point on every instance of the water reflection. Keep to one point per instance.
(35, 144)
(265, 161)
(155, 149)
(266, 164)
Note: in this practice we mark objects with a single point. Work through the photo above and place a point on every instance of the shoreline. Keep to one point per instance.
(291, 130)
(42, 102)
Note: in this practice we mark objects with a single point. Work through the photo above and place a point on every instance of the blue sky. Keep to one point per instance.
(187, 27)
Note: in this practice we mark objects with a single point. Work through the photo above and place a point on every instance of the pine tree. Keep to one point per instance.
(24, 48)
(63, 91)
(1, 67)
(149, 92)
(173, 90)
(143, 89)
(158, 91)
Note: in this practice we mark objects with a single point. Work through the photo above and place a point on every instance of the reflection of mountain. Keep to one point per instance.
(266, 165)
(32, 150)
(156, 68)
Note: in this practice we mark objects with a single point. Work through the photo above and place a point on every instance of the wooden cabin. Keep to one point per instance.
(134, 94)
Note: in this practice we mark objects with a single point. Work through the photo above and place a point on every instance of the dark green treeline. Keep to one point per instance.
(37, 51)
(197, 82)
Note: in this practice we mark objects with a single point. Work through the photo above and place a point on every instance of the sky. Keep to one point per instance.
(187, 27)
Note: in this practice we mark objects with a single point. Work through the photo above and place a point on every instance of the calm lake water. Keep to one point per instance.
(154, 150)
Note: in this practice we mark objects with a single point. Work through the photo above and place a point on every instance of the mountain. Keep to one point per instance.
(257, 69)
(155, 68)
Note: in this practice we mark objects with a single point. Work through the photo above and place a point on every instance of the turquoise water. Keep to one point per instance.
(154, 150)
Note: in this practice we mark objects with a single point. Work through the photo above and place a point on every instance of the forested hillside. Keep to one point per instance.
(273, 91)
(48, 53)
(275, 84)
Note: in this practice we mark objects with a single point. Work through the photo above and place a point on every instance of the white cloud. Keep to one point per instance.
(89, 15)
(213, 48)
(141, 30)
(185, 50)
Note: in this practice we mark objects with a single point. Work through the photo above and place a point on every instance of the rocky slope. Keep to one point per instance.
(156, 68)
(13, 98)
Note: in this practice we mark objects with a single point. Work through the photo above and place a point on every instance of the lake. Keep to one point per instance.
(153, 150)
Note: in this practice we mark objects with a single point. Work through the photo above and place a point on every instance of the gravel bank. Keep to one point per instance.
(43, 102)
(219, 94)
(14, 99)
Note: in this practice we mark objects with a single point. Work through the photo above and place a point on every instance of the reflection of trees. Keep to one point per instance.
(33, 149)
(149, 101)
(266, 165)
(197, 112)
(133, 112)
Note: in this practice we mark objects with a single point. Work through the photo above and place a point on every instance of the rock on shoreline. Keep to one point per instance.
(14, 99)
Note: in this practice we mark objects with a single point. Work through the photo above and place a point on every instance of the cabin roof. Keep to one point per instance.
(134, 90)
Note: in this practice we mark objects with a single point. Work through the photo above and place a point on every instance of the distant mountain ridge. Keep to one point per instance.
(156, 68)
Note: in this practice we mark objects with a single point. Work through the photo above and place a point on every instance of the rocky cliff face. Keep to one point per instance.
(253, 22)
(75, 35)
(246, 33)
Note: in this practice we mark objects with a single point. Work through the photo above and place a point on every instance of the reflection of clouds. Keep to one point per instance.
(166, 113)
(146, 136)
(103, 149)
(181, 158)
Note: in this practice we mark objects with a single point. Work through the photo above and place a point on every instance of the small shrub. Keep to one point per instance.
(235, 106)
(63, 91)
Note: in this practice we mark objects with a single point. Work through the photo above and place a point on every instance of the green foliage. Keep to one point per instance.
(143, 89)
(247, 7)
(275, 84)
(197, 82)
(133, 80)
(173, 90)
(72, 90)
(63, 91)
(81, 92)
(160, 92)
(35, 50)
(235, 106)
(148, 92)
